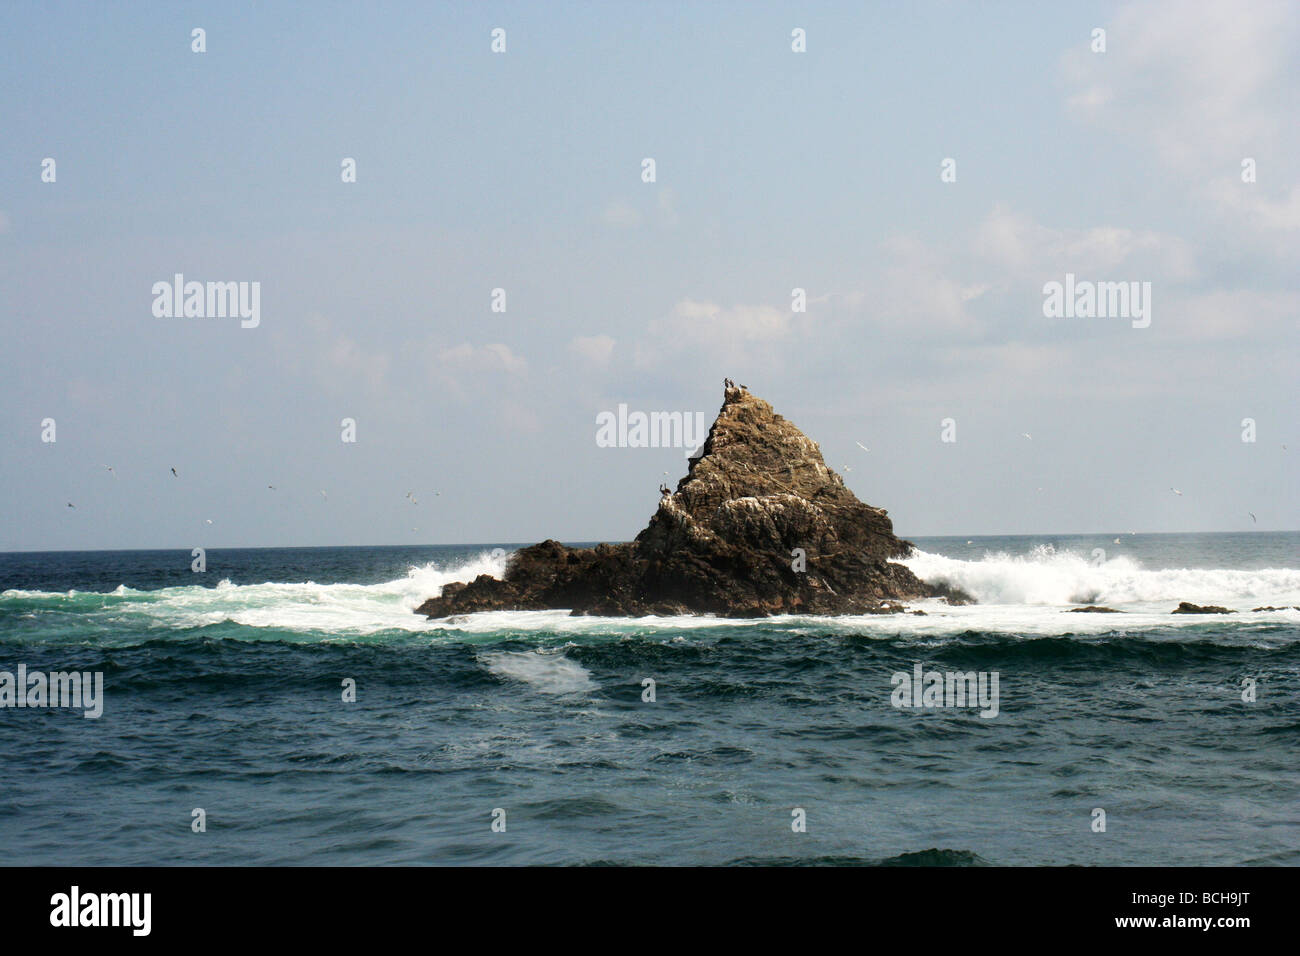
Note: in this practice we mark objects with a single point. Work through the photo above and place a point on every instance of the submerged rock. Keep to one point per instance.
(1093, 609)
(759, 525)
(1185, 607)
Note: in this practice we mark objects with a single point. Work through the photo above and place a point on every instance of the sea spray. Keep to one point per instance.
(1046, 576)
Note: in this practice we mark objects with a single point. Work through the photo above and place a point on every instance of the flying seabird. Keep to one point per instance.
(272, 487)
(1252, 517)
(1175, 491)
(71, 505)
(323, 495)
(1027, 435)
(862, 446)
(207, 521)
(174, 475)
(111, 471)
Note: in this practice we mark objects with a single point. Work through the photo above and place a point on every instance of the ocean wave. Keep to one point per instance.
(1020, 595)
(345, 609)
(1046, 576)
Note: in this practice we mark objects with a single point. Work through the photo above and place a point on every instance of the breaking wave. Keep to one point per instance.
(1046, 576)
(1019, 595)
(349, 609)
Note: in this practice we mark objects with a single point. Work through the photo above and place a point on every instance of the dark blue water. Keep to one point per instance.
(223, 691)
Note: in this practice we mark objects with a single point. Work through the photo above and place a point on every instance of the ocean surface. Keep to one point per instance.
(223, 690)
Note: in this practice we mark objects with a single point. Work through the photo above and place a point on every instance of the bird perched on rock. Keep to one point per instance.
(664, 491)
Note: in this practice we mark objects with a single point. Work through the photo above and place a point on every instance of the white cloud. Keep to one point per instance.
(349, 359)
(1254, 208)
(1235, 314)
(1022, 246)
(1200, 85)
(485, 358)
(1190, 73)
(970, 285)
(622, 214)
(708, 324)
(736, 335)
(333, 357)
(666, 204)
(594, 348)
(917, 288)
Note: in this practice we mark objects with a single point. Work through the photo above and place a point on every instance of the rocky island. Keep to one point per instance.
(759, 525)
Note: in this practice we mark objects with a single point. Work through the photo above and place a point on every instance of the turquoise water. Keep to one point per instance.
(223, 690)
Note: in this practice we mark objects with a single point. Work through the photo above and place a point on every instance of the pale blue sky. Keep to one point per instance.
(775, 170)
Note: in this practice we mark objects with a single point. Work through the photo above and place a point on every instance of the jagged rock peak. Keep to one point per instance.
(759, 525)
(754, 462)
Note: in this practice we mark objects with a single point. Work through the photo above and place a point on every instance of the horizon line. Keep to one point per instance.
(581, 543)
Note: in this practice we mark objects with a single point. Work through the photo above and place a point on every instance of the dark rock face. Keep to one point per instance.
(1094, 609)
(724, 542)
(1185, 607)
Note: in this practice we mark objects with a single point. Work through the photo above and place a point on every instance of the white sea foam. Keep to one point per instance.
(546, 670)
(344, 609)
(1046, 576)
(1018, 594)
